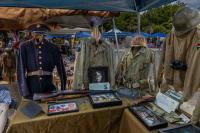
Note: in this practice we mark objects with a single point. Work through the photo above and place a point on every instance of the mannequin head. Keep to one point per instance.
(96, 34)
(38, 31)
(186, 19)
(95, 22)
(138, 42)
(38, 37)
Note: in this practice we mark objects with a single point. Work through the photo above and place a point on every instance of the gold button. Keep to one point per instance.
(40, 78)
(40, 47)
(40, 63)
(40, 52)
(40, 68)
(40, 57)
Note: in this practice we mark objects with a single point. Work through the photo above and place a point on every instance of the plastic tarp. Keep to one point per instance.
(97, 5)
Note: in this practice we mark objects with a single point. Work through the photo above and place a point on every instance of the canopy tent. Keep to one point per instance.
(82, 35)
(29, 13)
(64, 36)
(146, 35)
(119, 34)
(158, 34)
(77, 33)
(97, 5)
(116, 30)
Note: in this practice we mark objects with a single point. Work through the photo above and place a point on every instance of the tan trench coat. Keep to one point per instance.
(134, 67)
(178, 47)
(92, 56)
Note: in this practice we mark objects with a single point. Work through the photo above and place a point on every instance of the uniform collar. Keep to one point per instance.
(36, 43)
(141, 51)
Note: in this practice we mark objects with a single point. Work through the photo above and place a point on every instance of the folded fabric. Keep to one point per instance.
(31, 109)
(5, 96)
(3, 116)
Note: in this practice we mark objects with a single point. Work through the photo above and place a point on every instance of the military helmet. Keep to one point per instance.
(186, 19)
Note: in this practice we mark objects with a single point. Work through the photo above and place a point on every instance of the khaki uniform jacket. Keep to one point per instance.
(181, 48)
(93, 56)
(134, 67)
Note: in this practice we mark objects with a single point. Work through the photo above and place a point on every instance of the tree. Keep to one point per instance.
(158, 19)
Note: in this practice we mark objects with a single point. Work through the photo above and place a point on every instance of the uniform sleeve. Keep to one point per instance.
(161, 64)
(111, 65)
(84, 62)
(61, 69)
(120, 69)
(21, 71)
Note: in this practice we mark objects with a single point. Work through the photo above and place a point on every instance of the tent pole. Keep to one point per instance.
(138, 17)
(138, 22)
(116, 39)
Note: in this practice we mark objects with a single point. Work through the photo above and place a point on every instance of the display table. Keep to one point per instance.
(130, 124)
(87, 120)
(117, 119)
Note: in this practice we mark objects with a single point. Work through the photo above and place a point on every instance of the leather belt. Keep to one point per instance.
(39, 73)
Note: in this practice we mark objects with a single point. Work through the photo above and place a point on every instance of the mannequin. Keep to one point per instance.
(94, 53)
(9, 65)
(179, 65)
(36, 60)
(133, 69)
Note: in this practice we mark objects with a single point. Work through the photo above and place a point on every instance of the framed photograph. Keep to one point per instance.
(98, 74)
(104, 100)
(189, 128)
(148, 118)
(61, 108)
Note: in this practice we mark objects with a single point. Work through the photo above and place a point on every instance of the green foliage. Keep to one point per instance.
(154, 20)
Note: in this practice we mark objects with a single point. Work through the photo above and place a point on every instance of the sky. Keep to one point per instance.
(193, 3)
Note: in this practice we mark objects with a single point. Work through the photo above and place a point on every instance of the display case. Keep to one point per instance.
(189, 128)
(104, 100)
(148, 117)
(61, 108)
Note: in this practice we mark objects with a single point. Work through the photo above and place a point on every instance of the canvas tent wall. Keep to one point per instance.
(12, 18)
